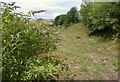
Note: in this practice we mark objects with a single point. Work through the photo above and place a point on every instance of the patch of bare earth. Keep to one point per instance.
(108, 70)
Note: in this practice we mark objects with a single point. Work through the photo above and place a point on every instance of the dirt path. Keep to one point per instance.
(87, 57)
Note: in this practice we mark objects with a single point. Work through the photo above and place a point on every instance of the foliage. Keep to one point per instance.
(72, 15)
(60, 20)
(45, 67)
(101, 18)
(22, 43)
(67, 19)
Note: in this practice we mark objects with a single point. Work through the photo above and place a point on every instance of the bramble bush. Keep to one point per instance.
(25, 47)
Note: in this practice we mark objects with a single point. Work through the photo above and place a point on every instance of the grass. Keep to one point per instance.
(89, 58)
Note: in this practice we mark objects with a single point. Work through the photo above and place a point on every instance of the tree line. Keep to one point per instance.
(66, 19)
(102, 18)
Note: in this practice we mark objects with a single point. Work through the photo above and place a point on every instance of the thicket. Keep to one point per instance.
(25, 47)
(101, 18)
(66, 19)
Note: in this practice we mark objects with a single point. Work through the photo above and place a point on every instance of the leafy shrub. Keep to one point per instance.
(22, 46)
(44, 68)
(101, 18)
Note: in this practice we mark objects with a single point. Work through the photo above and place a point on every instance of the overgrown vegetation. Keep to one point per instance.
(101, 18)
(67, 19)
(25, 47)
(89, 58)
(27, 44)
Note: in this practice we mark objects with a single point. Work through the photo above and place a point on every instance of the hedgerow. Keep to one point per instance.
(25, 47)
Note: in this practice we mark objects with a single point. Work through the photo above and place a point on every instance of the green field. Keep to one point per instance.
(88, 58)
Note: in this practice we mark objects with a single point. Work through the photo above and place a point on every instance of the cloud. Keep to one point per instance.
(53, 7)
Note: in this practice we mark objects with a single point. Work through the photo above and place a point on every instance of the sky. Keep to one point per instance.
(53, 7)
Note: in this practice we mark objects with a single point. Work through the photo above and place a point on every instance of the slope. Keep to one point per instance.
(89, 58)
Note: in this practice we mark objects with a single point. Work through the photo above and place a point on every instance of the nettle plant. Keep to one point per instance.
(24, 46)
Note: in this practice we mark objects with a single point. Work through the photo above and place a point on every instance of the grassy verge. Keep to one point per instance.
(89, 58)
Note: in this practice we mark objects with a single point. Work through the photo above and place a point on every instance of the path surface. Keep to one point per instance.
(89, 58)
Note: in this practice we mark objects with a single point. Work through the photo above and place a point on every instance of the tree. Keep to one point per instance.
(56, 20)
(66, 19)
(72, 15)
(60, 20)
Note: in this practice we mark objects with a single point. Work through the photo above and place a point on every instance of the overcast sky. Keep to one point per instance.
(53, 7)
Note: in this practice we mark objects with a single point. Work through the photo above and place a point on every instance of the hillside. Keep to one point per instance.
(89, 58)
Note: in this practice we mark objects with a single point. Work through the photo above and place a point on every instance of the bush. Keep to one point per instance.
(22, 46)
(101, 18)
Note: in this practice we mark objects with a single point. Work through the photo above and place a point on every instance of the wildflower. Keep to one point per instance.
(13, 38)
(58, 32)
(17, 7)
(40, 11)
(63, 65)
(11, 4)
(57, 44)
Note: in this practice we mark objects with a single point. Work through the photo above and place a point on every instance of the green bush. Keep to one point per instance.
(101, 18)
(22, 46)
